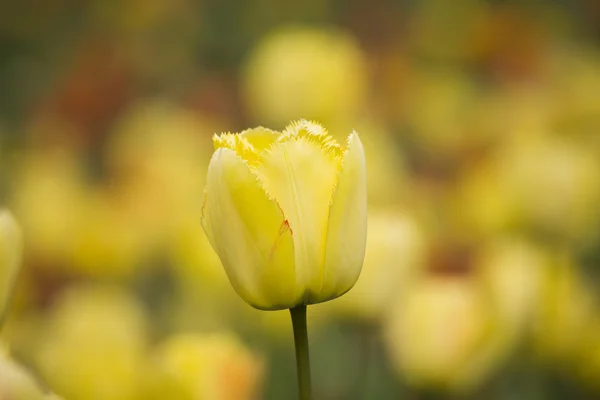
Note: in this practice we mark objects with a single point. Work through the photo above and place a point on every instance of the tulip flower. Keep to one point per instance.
(325, 69)
(213, 366)
(10, 257)
(93, 344)
(286, 213)
(16, 383)
(438, 330)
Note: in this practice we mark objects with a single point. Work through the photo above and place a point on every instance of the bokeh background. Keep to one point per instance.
(481, 124)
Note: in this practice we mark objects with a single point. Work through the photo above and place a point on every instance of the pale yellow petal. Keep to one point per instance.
(347, 230)
(249, 233)
(260, 137)
(314, 132)
(301, 176)
(247, 144)
(10, 256)
(238, 144)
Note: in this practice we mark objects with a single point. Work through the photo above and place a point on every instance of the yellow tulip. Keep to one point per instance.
(320, 73)
(535, 169)
(512, 272)
(210, 367)
(93, 344)
(445, 333)
(435, 329)
(47, 197)
(10, 256)
(16, 383)
(286, 212)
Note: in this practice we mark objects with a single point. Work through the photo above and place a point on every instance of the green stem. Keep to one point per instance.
(302, 358)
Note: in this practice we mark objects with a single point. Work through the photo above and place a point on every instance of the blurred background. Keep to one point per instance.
(481, 124)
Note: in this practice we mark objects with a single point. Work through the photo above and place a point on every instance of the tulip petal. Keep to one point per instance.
(249, 233)
(260, 138)
(301, 176)
(347, 230)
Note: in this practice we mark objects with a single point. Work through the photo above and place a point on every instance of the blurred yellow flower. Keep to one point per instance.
(508, 274)
(156, 147)
(516, 188)
(441, 334)
(396, 250)
(440, 108)
(17, 384)
(566, 308)
(94, 345)
(47, 196)
(286, 212)
(106, 241)
(204, 367)
(481, 203)
(10, 257)
(513, 271)
(534, 170)
(312, 73)
(159, 148)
